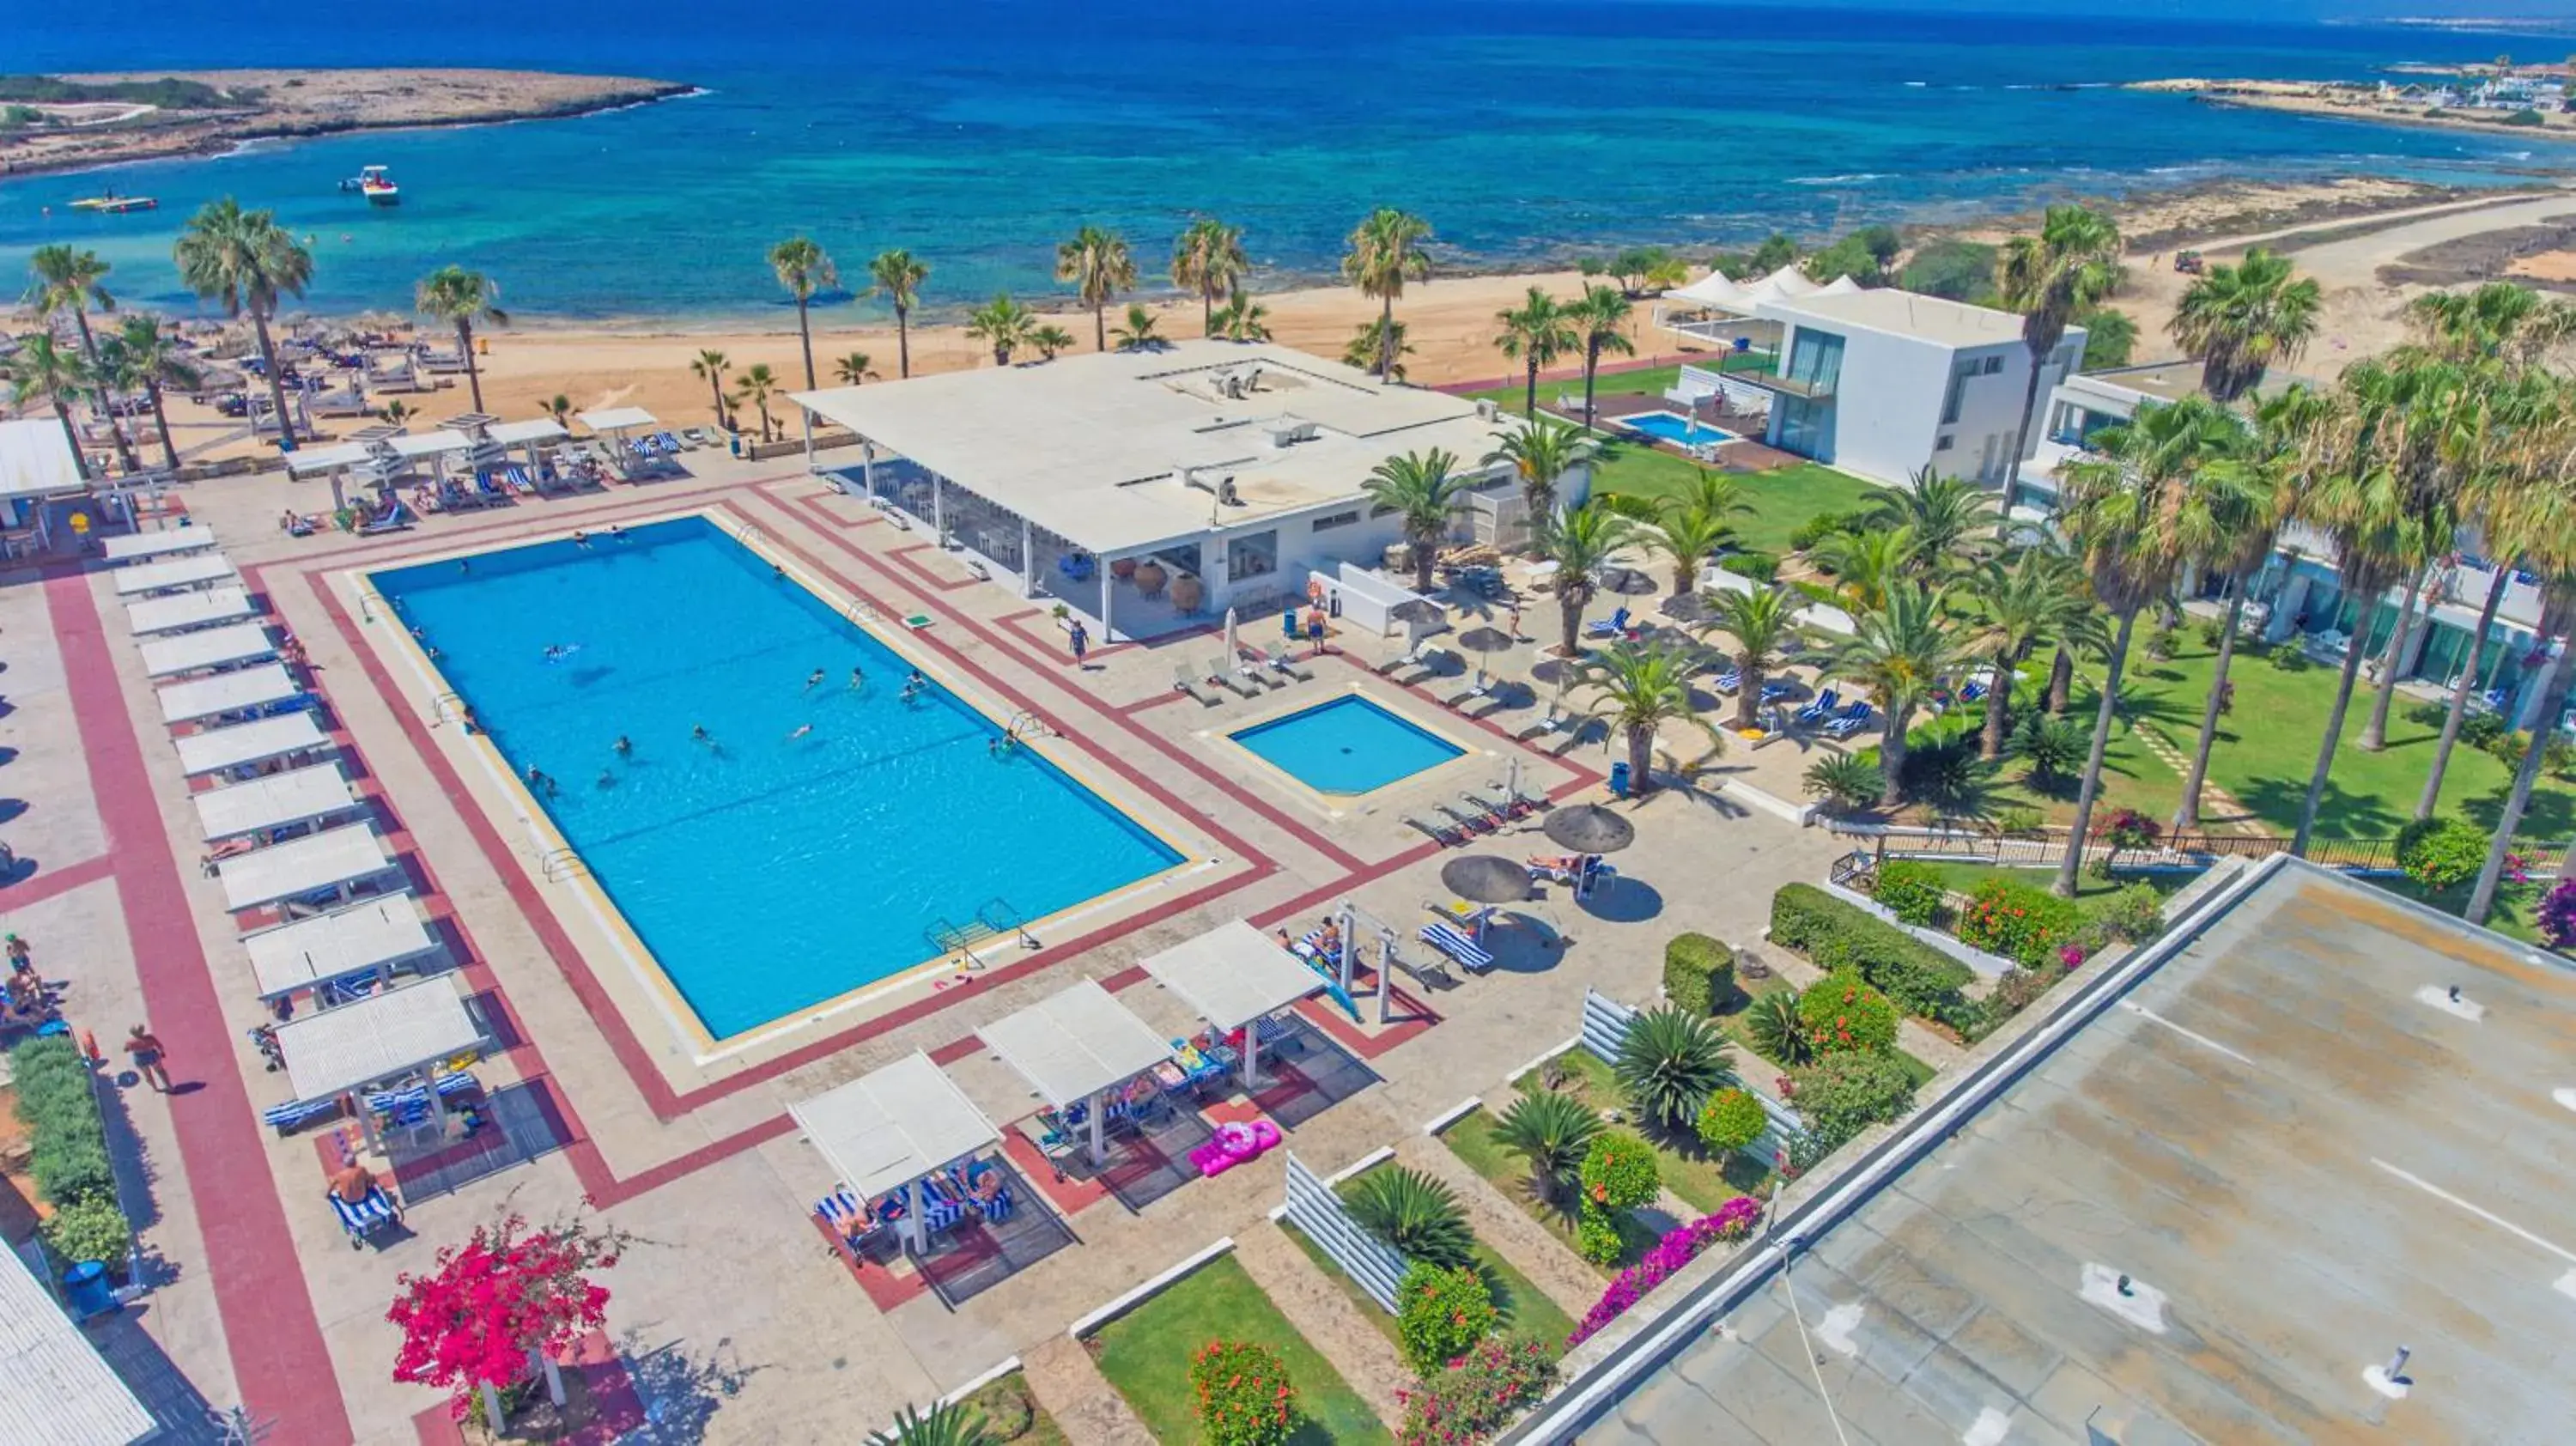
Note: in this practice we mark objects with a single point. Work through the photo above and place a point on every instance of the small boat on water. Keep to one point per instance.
(113, 204)
(376, 184)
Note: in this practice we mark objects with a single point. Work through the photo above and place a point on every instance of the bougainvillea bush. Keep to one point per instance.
(1444, 1312)
(2023, 924)
(1733, 1221)
(1245, 1397)
(1841, 1012)
(510, 1291)
(2558, 915)
(1477, 1395)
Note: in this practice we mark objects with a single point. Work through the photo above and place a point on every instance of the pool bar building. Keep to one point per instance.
(1151, 490)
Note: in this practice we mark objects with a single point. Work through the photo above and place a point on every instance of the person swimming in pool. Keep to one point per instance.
(616, 533)
(858, 680)
(581, 539)
(814, 680)
(623, 746)
(607, 779)
(698, 733)
(555, 652)
(800, 732)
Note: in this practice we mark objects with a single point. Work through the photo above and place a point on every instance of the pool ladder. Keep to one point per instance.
(557, 865)
(447, 708)
(860, 610)
(1027, 724)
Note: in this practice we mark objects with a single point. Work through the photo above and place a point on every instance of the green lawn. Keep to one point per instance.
(2267, 744)
(1644, 381)
(1777, 501)
(1146, 1355)
(2132, 777)
(1968, 878)
(1003, 1398)
(1525, 1309)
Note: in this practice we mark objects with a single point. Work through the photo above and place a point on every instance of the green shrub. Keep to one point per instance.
(1245, 1396)
(1596, 1235)
(2558, 755)
(1910, 890)
(1821, 526)
(2021, 923)
(1619, 1173)
(1477, 1395)
(2441, 853)
(1846, 780)
(1413, 1212)
(2213, 631)
(1917, 977)
(2135, 913)
(1444, 1312)
(1762, 567)
(1777, 1033)
(2019, 822)
(1668, 1063)
(2053, 748)
(2480, 730)
(91, 1229)
(1842, 1013)
(1699, 973)
(1841, 1095)
(1731, 1120)
(1551, 1131)
(2289, 656)
(59, 1106)
(2163, 643)
(2523, 117)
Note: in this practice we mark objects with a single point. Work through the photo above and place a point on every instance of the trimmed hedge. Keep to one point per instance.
(2030, 926)
(1915, 977)
(67, 1142)
(1699, 973)
(1911, 890)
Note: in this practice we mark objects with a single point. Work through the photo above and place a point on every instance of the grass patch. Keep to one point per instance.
(2132, 777)
(1641, 382)
(1968, 878)
(1003, 1398)
(1146, 1355)
(1684, 1165)
(1778, 502)
(1472, 1139)
(1525, 1309)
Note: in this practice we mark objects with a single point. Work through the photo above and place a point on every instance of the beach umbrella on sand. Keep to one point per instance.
(1486, 879)
(1484, 640)
(1588, 828)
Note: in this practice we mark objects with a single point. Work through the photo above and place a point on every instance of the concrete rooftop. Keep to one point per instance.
(2299, 1151)
(1903, 313)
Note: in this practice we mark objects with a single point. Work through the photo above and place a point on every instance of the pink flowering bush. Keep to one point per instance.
(506, 1292)
(1733, 1221)
(2558, 915)
(1476, 1395)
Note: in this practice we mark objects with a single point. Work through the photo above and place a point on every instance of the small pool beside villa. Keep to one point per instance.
(1677, 429)
(1346, 747)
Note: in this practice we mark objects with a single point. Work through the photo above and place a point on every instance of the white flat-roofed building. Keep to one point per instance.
(1153, 489)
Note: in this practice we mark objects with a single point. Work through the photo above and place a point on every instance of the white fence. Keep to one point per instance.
(1315, 1209)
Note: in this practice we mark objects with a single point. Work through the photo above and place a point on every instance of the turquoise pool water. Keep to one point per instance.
(1349, 745)
(766, 872)
(1674, 427)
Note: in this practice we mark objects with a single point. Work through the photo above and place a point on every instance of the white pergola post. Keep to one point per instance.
(1099, 1144)
(1251, 1053)
(1028, 559)
(1385, 974)
(868, 468)
(1108, 631)
(939, 507)
(1347, 953)
(809, 439)
(915, 1226)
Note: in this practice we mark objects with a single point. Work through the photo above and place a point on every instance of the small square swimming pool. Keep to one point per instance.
(1346, 747)
(1680, 430)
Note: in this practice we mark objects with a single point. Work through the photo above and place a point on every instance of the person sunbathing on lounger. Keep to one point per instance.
(355, 1182)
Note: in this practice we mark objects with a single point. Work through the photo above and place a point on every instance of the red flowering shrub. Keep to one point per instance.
(1245, 1398)
(1444, 1312)
(1477, 1395)
(508, 1291)
(2021, 923)
(1841, 1012)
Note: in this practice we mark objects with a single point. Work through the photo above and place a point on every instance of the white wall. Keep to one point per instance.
(1888, 404)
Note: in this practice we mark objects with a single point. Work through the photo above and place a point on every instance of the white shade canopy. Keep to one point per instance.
(202, 570)
(1839, 286)
(302, 866)
(1714, 289)
(303, 795)
(243, 744)
(890, 1127)
(430, 444)
(1075, 1043)
(55, 1387)
(188, 611)
(313, 461)
(380, 1037)
(206, 651)
(37, 460)
(612, 419)
(169, 542)
(378, 934)
(520, 434)
(1234, 974)
(235, 692)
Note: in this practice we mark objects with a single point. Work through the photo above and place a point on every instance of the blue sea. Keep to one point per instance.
(977, 132)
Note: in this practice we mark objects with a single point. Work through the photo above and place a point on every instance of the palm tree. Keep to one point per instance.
(1866, 563)
(2137, 514)
(2545, 515)
(1386, 252)
(246, 261)
(1552, 1132)
(853, 368)
(1420, 489)
(1139, 334)
(1686, 531)
(2238, 321)
(2266, 481)
(1207, 258)
(712, 365)
(2496, 321)
(1049, 339)
(1378, 346)
(2071, 264)
(1670, 1062)
(1602, 317)
(41, 369)
(1581, 541)
(1002, 324)
(142, 356)
(1759, 621)
(1535, 334)
(1097, 263)
(68, 280)
(1540, 454)
(1949, 519)
(1241, 319)
(897, 277)
(1899, 650)
(2026, 605)
(946, 1423)
(759, 384)
(1641, 687)
(558, 409)
(461, 298)
(804, 268)
(398, 412)
(2440, 398)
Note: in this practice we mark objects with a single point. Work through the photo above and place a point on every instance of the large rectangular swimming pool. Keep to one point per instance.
(818, 837)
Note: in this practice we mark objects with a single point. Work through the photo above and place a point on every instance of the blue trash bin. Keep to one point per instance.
(1619, 780)
(86, 1287)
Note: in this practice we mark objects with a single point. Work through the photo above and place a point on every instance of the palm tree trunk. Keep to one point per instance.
(1591, 371)
(116, 430)
(1207, 312)
(1100, 327)
(100, 392)
(903, 340)
(276, 383)
(2061, 681)
(1529, 404)
(71, 434)
(1641, 761)
(2374, 734)
(2074, 860)
(473, 373)
(2012, 467)
(1891, 759)
(1569, 613)
(2326, 752)
(805, 339)
(1998, 710)
(1748, 695)
(1386, 337)
(2187, 813)
(2431, 798)
(2554, 687)
(161, 423)
(1422, 561)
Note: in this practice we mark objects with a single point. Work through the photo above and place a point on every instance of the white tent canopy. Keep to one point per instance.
(243, 744)
(1232, 975)
(303, 795)
(1714, 289)
(169, 542)
(188, 611)
(521, 434)
(206, 569)
(239, 691)
(37, 460)
(377, 936)
(204, 652)
(890, 1127)
(430, 444)
(381, 1037)
(617, 419)
(1839, 286)
(317, 460)
(1074, 1044)
(55, 1387)
(307, 865)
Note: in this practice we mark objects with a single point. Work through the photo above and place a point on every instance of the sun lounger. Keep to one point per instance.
(1460, 913)
(1445, 833)
(1847, 724)
(1280, 660)
(1230, 679)
(1471, 818)
(1728, 681)
(1185, 681)
(1613, 626)
(295, 1114)
(364, 1218)
(1429, 976)
(848, 1218)
(1824, 703)
(1469, 954)
(1778, 690)
(1555, 720)
(1411, 657)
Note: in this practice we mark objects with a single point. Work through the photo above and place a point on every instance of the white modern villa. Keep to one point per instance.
(1152, 490)
(1881, 383)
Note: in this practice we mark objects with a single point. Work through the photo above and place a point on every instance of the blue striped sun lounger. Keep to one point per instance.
(1272, 1031)
(288, 1116)
(669, 443)
(364, 1218)
(848, 1217)
(1469, 954)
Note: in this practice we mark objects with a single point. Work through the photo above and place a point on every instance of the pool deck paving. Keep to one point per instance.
(257, 1297)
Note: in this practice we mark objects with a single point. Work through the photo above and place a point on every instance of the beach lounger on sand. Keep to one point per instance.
(1185, 681)
(1613, 626)
(1469, 954)
(363, 1219)
(1227, 678)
